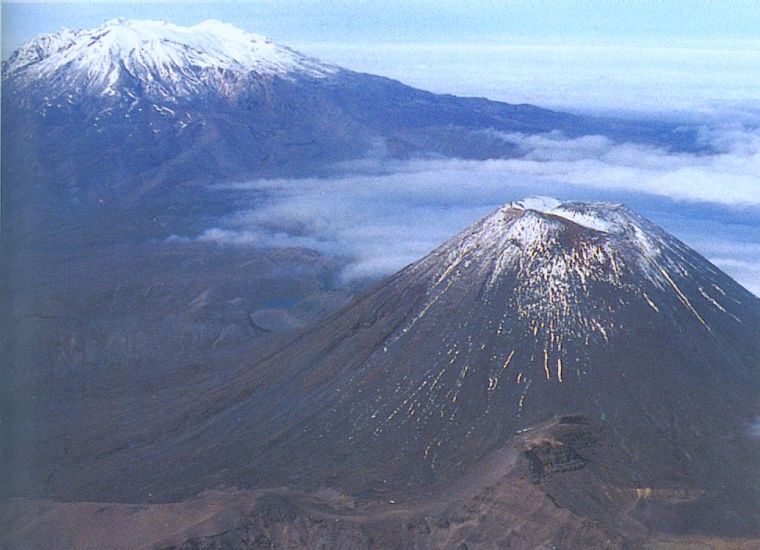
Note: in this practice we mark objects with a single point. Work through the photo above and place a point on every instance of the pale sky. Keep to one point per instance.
(439, 21)
(676, 58)
(693, 61)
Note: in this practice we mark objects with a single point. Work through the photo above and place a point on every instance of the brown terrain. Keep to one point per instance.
(500, 504)
(450, 406)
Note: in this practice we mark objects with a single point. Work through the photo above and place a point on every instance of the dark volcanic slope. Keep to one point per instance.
(542, 310)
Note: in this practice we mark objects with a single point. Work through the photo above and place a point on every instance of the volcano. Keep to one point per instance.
(135, 120)
(575, 347)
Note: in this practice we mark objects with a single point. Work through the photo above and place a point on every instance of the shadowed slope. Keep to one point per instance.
(541, 310)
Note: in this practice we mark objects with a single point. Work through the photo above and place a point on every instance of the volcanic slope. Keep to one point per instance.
(622, 366)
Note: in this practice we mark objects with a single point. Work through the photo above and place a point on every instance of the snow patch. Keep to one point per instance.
(585, 214)
(535, 245)
(539, 203)
(168, 59)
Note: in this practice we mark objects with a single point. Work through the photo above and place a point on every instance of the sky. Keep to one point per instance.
(672, 58)
(387, 215)
(695, 61)
(687, 58)
(429, 21)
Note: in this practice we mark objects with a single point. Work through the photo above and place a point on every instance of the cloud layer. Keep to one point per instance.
(392, 213)
(691, 80)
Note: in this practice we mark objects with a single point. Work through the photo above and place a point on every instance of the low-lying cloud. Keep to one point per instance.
(392, 213)
(731, 176)
(694, 81)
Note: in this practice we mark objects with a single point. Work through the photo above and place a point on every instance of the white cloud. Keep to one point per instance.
(695, 81)
(386, 219)
(731, 176)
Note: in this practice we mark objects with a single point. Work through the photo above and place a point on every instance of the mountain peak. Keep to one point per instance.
(524, 317)
(599, 216)
(556, 255)
(462, 358)
(161, 58)
(537, 221)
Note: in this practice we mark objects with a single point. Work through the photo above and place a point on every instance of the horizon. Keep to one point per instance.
(300, 274)
(361, 21)
(515, 53)
(610, 63)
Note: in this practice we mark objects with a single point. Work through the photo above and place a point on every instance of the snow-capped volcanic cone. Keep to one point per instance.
(583, 312)
(151, 59)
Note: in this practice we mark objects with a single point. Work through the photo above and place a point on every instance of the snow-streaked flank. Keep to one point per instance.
(557, 257)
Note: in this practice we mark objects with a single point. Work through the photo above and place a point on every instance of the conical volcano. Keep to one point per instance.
(617, 366)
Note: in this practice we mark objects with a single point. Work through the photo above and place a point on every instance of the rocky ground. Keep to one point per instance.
(502, 504)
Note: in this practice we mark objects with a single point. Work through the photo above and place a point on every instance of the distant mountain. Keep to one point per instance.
(152, 60)
(124, 121)
(613, 366)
